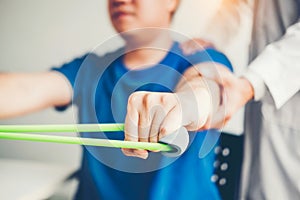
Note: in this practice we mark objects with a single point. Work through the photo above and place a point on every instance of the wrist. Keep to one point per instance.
(247, 89)
(257, 84)
(196, 107)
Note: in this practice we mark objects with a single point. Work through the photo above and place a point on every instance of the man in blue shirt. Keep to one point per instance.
(110, 87)
(141, 84)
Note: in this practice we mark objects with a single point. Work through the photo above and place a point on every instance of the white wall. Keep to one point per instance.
(36, 35)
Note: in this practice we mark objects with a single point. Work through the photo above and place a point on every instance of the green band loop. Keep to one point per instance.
(87, 141)
(61, 128)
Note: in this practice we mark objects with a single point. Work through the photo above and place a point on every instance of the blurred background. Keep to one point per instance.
(37, 35)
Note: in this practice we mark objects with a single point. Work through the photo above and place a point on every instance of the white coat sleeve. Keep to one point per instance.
(277, 68)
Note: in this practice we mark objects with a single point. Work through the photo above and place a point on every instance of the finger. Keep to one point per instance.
(189, 74)
(185, 47)
(217, 121)
(191, 46)
(203, 43)
(158, 114)
(167, 102)
(217, 72)
(132, 119)
(144, 127)
(172, 122)
(131, 134)
(191, 83)
(131, 126)
(135, 153)
(210, 71)
(144, 123)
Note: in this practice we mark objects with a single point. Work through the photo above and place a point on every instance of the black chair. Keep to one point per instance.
(228, 163)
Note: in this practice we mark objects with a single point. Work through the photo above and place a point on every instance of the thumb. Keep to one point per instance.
(171, 123)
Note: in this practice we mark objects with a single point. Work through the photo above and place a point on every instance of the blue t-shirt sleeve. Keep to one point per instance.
(210, 55)
(69, 70)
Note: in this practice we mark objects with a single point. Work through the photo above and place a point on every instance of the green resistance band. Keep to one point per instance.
(13, 132)
(59, 128)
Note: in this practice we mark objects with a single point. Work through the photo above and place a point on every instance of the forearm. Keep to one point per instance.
(22, 93)
(215, 92)
(17, 96)
(203, 93)
(227, 92)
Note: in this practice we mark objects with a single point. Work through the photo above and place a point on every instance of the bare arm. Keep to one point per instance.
(235, 91)
(153, 115)
(23, 93)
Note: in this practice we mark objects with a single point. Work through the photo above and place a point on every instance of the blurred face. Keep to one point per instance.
(126, 15)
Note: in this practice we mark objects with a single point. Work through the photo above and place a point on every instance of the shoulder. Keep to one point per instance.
(208, 55)
(93, 58)
(89, 61)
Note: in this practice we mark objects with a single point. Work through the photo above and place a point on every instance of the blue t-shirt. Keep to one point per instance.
(102, 85)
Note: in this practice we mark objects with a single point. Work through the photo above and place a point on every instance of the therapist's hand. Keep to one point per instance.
(235, 93)
(194, 45)
(153, 115)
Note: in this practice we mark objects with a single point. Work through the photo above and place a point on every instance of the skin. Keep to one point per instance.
(153, 115)
(236, 91)
(150, 115)
(20, 93)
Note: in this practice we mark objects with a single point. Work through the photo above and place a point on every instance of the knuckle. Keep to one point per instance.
(188, 72)
(135, 97)
(170, 99)
(132, 99)
(164, 99)
(227, 118)
(228, 115)
(162, 132)
(147, 100)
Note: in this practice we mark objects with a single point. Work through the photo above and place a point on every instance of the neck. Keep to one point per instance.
(146, 52)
